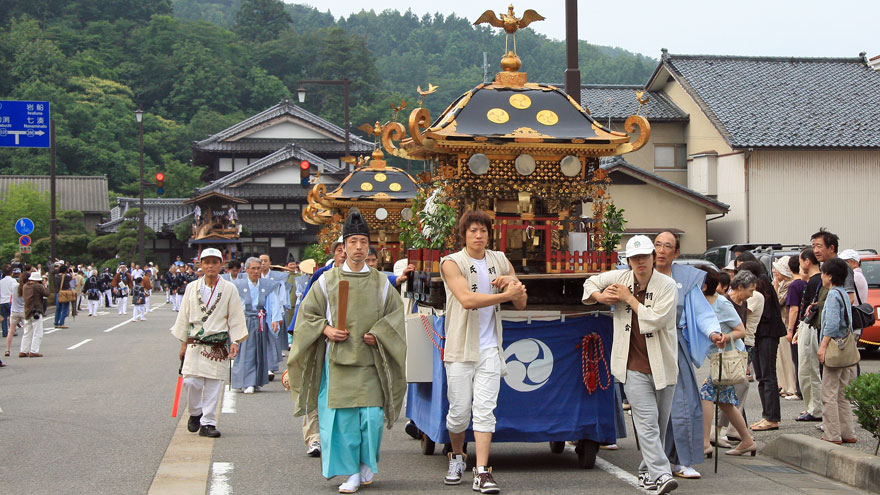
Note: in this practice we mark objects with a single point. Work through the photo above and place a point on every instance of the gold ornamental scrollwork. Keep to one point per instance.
(393, 131)
(637, 121)
(419, 118)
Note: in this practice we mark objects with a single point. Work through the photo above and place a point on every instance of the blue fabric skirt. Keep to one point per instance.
(349, 436)
(251, 367)
(709, 391)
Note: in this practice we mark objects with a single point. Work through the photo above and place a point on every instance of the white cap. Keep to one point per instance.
(730, 266)
(206, 253)
(639, 244)
(850, 254)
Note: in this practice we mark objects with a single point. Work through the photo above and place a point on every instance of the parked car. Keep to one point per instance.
(870, 339)
(695, 262)
(722, 255)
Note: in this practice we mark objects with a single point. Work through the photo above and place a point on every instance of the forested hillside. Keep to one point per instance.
(197, 66)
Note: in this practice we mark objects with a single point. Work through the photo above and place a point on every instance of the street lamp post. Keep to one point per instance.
(301, 96)
(139, 116)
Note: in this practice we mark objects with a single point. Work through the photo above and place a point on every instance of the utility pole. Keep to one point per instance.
(53, 227)
(572, 70)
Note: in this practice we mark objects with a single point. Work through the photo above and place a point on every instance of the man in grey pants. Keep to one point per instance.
(644, 356)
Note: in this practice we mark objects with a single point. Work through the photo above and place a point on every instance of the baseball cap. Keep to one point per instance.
(850, 254)
(730, 266)
(639, 244)
(209, 252)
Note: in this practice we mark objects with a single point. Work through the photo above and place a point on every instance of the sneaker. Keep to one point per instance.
(248, 390)
(314, 449)
(685, 472)
(193, 424)
(483, 482)
(645, 482)
(610, 446)
(209, 431)
(457, 465)
(665, 484)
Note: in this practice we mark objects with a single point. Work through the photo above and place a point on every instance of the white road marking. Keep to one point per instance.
(620, 474)
(77, 345)
(220, 472)
(102, 313)
(229, 401)
(117, 326)
(50, 330)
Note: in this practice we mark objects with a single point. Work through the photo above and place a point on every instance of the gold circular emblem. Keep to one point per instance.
(497, 116)
(394, 186)
(380, 177)
(366, 186)
(547, 117)
(520, 101)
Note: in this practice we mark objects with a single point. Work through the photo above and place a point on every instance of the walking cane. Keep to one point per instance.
(177, 392)
(717, 399)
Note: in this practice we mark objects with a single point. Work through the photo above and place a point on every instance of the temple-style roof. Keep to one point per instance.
(244, 136)
(781, 101)
(158, 213)
(618, 102)
(216, 197)
(291, 153)
(537, 112)
(381, 184)
(86, 193)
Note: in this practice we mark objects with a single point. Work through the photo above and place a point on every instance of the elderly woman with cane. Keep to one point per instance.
(724, 396)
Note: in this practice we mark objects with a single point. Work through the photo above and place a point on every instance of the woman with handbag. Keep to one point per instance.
(838, 352)
(63, 296)
(730, 355)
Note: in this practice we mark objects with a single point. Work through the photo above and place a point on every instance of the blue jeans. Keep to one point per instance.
(4, 312)
(61, 309)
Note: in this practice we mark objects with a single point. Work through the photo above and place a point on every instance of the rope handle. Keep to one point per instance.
(592, 353)
(429, 330)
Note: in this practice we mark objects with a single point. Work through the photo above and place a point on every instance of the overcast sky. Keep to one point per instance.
(805, 28)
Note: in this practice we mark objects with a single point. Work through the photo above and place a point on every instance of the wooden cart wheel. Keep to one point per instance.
(427, 445)
(557, 447)
(586, 450)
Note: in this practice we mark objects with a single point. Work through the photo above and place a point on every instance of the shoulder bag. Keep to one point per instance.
(65, 295)
(730, 364)
(842, 353)
(862, 314)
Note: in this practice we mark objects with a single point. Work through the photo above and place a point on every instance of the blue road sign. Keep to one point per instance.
(24, 226)
(24, 124)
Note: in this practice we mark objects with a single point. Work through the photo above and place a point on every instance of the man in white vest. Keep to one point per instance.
(644, 356)
(477, 281)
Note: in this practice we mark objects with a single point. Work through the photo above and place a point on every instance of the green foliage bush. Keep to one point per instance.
(864, 392)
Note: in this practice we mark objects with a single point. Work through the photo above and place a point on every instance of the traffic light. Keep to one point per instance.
(160, 183)
(304, 172)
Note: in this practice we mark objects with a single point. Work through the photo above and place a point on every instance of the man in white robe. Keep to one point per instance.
(210, 316)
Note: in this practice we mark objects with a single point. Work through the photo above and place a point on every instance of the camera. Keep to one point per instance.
(37, 314)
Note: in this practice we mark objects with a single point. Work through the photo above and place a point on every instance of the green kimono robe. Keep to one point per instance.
(360, 375)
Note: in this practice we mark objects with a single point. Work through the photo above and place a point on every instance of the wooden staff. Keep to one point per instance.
(342, 305)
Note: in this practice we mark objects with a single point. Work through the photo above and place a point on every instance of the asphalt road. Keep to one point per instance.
(95, 419)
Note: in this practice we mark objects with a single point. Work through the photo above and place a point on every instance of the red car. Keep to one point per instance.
(871, 268)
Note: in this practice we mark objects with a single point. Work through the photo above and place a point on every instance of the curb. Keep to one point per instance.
(833, 461)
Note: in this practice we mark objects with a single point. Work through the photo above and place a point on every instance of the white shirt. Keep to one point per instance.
(861, 285)
(7, 287)
(488, 338)
(206, 291)
(137, 272)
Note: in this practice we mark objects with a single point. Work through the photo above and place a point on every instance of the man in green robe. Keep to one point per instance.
(352, 372)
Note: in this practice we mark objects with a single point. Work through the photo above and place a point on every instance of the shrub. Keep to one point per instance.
(864, 392)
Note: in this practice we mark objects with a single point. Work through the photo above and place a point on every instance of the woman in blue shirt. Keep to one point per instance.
(837, 415)
(733, 331)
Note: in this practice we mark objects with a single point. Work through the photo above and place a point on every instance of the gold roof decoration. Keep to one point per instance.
(511, 116)
(379, 191)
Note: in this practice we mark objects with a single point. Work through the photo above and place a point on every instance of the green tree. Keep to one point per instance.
(123, 244)
(261, 20)
(23, 200)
